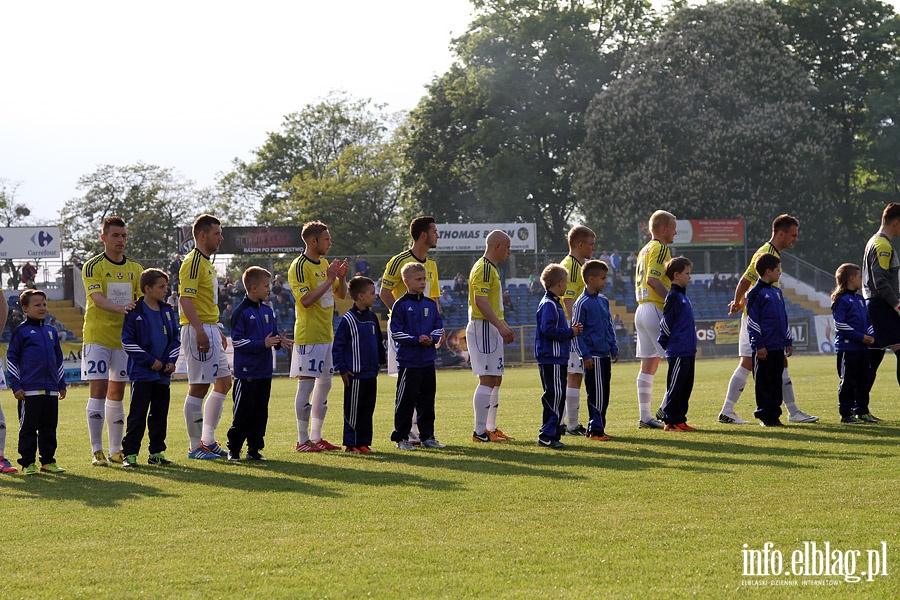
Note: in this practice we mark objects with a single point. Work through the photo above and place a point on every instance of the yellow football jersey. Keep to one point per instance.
(484, 280)
(651, 264)
(312, 325)
(118, 282)
(392, 280)
(198, 281)
(751, 274)
(575, 282)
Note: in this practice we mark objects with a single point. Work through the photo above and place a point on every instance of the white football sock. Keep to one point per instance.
(481, 401)
(735, 387)
(645, 395)
(414, 430)
(319, 407)
(193, 419)
(115, 423)
(787, 393)
(573, 397)
(212, 412)
(302, 408)
(491, 422)
(96, 414)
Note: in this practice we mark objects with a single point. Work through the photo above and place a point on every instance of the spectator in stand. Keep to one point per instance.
(174, 267)
(630, 262)
(362, 266)
(615, 261)
(534, 284)
(508, 306)
(460, 286)
(227, 313)
(277, 285)
(29, 272)
(604, 256)
(60, 329)
(15, 318)
(446, 300)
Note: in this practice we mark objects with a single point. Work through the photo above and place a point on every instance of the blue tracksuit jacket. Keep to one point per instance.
(414, 315)
(599, 335)
(851, 322)
(554, 336)
(677, 334)
(136, 336)
(34, 358)
(358, 346)
(767, 320)
(251, 322)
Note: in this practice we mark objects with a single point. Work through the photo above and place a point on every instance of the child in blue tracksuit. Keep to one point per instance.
(37, 379)
(254, 333)
(855, 335)
(552, 344)
(597, 345)
(678, 337)
(416, 328)
(358, 351)
(150, 336)
(770, 339)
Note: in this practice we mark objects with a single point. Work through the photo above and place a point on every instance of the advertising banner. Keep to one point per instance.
(469, 237)
(29, 242)
(251, 240)
(709, 232)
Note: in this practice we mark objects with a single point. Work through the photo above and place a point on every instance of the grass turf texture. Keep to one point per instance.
(650, 514)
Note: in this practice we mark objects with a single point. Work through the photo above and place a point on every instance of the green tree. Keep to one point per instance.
(154, 201)
(12, 214)
(711, 120)
(850, 49)
(491, 139)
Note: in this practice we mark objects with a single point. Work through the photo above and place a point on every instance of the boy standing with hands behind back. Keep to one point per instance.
(770, 339)
(679, 339)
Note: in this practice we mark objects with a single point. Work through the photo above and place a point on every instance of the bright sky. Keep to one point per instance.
(192, 84)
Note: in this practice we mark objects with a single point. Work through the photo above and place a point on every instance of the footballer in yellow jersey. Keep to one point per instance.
(484, 280)
(392, 281)
(117, 282)
(574, 283)
(313, 325)
(651, 264)
(198, 281)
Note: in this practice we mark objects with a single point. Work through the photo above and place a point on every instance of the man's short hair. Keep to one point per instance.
(891, 213)
(25, 297)
(766, 262)
(358, 285)
(113, 221)
(660, 219)
(203, 224)
(150, 276)
(579, 234)
(592, 268)
(420, 225)
(553, 274)
(313, 230)
(407, 270)
(784, 223)
(254, 276)
(677, 265)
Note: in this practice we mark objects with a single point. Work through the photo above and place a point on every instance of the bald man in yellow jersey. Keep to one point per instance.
(486, 333)
(650, 288)
(785, 233)
(314, 283)
(111, 283)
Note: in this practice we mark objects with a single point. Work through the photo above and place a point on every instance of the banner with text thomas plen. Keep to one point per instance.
(468, 237)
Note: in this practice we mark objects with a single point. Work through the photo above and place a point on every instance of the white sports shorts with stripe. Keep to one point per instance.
(646, 325)
(204, 367)
(100, 362)
(312, 360)
(485, 348)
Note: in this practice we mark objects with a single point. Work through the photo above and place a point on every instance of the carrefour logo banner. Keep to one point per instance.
(470, 236)
(29, 242)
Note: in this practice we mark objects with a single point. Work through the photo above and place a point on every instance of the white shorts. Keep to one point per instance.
(575, 367)
(744, 349)
(312, 360)
(485, 348)
(646, 325)
(392, 366)
(204, 368)
(99, 362)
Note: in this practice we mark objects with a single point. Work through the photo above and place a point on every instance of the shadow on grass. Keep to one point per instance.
(92, 492)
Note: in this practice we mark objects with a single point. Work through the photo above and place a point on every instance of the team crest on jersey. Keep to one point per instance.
(426, 311)
(120, 275)
(267, 318)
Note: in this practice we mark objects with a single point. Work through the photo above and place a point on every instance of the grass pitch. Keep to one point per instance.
(650, 514)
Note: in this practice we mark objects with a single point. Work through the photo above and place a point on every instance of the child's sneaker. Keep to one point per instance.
(307, 447)
(364, 449)
(52, 468)
(215, 448)
(158, 458)
(117, 458)
(352, 450)
(130, 460)
(432, 443)
(867, 418)
(255, 455)
(679, 427)
(549, 443)
(234, 457)
(405, 445)
(201, 454)
(853, 420)
(6, 466)
(598, 437)
(30, 470)
(772, 423)
(325, 444)
(99, 459)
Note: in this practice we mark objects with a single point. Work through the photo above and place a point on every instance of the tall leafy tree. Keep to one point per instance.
(491, 139)
(711, 120)
(12, 214)
(153, 200)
